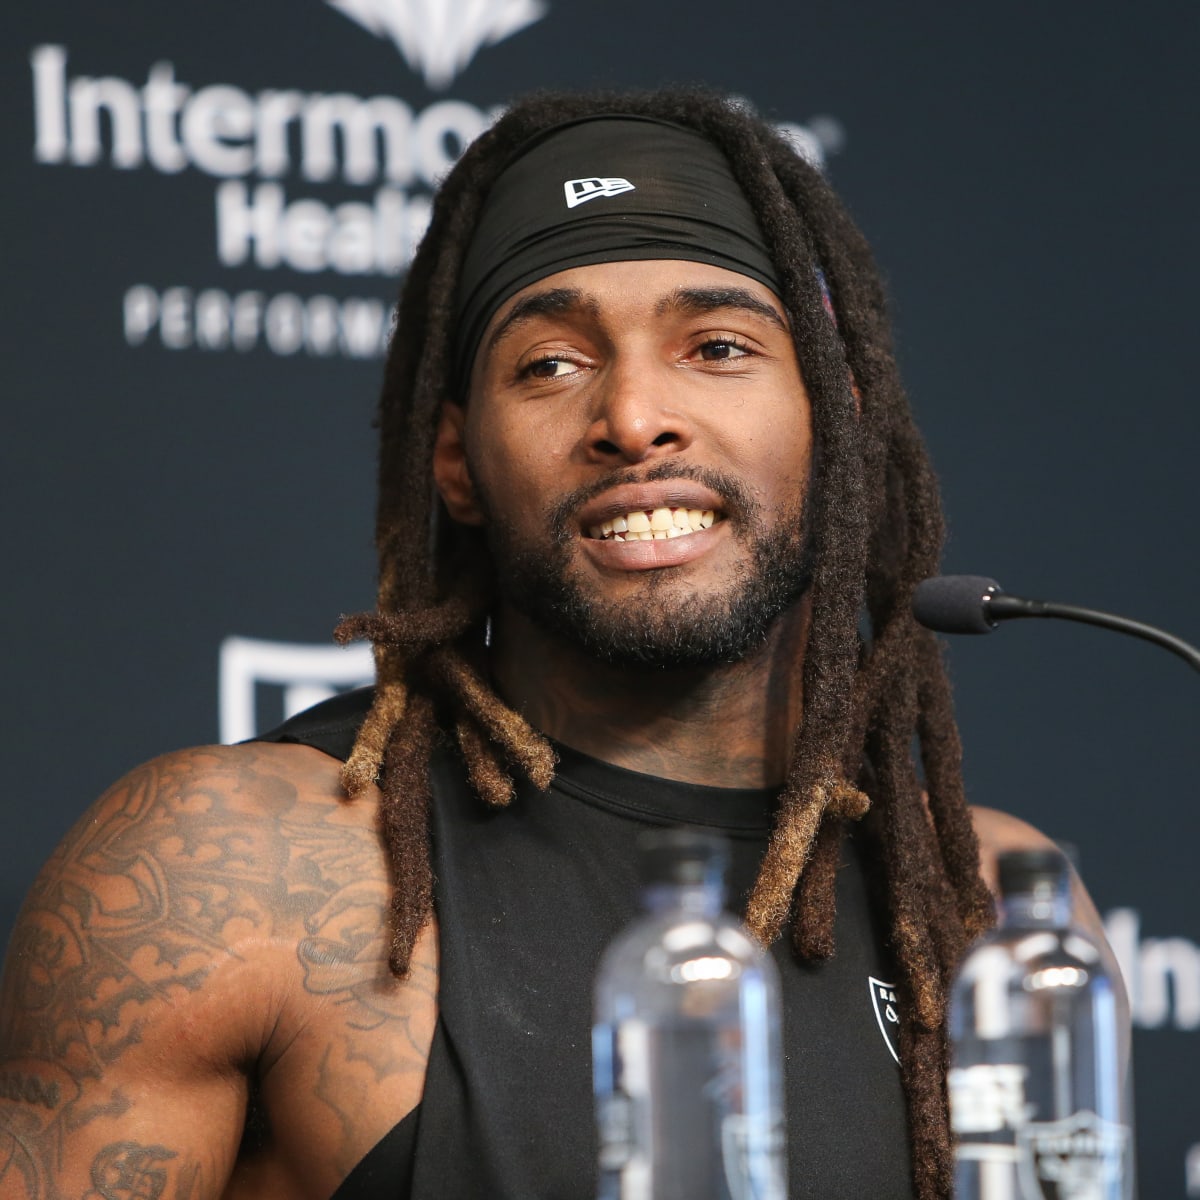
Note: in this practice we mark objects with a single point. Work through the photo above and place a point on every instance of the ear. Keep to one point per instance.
(451, 473)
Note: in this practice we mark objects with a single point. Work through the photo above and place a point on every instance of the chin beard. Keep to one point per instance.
(662, 626)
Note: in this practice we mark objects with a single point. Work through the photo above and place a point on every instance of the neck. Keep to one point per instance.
(727, 726)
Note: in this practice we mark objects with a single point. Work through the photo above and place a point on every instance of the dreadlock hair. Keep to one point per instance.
(872, 680)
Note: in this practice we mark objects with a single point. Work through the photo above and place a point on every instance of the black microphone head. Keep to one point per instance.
(955, 603)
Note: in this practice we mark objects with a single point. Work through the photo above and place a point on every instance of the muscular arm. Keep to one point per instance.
(215, 918)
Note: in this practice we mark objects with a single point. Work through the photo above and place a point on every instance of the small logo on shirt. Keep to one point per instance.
(887, 1013)
(580, 191)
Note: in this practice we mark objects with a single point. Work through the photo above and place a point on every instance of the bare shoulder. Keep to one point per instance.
(1000, 831)
(195, 854)
(165, 877)
(195, 920)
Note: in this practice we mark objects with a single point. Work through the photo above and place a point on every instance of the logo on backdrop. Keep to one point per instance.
(280, 679)
(1162, 975)
(438, 38)
(263, 148)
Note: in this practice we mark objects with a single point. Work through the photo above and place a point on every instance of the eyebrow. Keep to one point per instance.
(698, 301)
(553, 303)
(686, 301)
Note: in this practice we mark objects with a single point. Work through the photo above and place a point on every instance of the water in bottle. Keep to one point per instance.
(1038, 1100)
(686, 1049)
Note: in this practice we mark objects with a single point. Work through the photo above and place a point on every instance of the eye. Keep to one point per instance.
(548, 368)
(723, 349)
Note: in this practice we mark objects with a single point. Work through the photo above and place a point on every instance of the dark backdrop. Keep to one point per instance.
(191, 320)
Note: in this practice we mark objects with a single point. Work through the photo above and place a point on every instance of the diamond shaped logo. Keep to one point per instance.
(438, 38)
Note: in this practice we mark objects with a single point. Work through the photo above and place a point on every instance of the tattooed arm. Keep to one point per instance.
(210, 930)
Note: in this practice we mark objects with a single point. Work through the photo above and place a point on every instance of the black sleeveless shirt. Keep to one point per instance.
(527, 897)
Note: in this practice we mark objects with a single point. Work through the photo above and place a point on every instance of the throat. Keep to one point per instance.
(727, 726)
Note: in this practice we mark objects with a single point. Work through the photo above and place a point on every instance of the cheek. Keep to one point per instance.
(792, 440)
(773, 453)
(522, 464)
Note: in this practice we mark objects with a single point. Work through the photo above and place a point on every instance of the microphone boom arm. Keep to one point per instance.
(1002, 606)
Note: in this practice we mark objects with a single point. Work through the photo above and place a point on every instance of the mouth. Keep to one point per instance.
(654, 524)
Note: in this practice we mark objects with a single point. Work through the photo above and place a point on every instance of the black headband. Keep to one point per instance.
(607, 188)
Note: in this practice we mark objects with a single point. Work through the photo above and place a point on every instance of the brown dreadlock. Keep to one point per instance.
(876, 528)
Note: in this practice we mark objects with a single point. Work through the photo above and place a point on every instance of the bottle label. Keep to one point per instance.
(1081, 1157)
(988, 1098)
(753, 1152)
(675, 1114)
(618, 1133)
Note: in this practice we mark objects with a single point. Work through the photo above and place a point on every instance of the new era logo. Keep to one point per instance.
(580, 191)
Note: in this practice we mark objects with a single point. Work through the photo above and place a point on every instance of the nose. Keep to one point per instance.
(636, 416)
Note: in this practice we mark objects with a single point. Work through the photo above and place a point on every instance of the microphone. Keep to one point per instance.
(977, 604)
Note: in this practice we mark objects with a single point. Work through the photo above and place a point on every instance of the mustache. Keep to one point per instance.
(737, 500)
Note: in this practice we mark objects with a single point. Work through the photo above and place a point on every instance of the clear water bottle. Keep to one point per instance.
(686, 1048)
(1038, 1100)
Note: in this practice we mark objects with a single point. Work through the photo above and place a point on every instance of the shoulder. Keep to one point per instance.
(1000, 831)
(194, 834)
(219, 808)
(218, 915)
(192, 873)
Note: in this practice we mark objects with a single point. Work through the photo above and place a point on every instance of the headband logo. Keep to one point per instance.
(580, 191)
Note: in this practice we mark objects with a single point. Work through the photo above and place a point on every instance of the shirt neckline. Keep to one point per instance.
(736, 811)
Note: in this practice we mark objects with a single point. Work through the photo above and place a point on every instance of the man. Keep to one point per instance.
(642, 357)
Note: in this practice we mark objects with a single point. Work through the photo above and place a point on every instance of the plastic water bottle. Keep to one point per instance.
(1038, 1101)
(686, 1048)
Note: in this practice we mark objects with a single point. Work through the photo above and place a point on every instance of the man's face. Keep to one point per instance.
(608, 398)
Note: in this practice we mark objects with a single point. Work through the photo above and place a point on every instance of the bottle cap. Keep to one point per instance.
(682, 857)
(1028, 870)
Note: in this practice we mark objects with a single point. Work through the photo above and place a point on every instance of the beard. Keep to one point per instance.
(665, 624)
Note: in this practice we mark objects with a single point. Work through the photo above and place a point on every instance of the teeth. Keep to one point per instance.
(658, 525)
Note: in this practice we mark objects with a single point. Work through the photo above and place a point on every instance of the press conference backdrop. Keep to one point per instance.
(207, 208)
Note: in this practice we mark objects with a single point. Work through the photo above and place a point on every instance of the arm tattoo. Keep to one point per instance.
(175, 867)
(133, 909)
(127, 1171)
